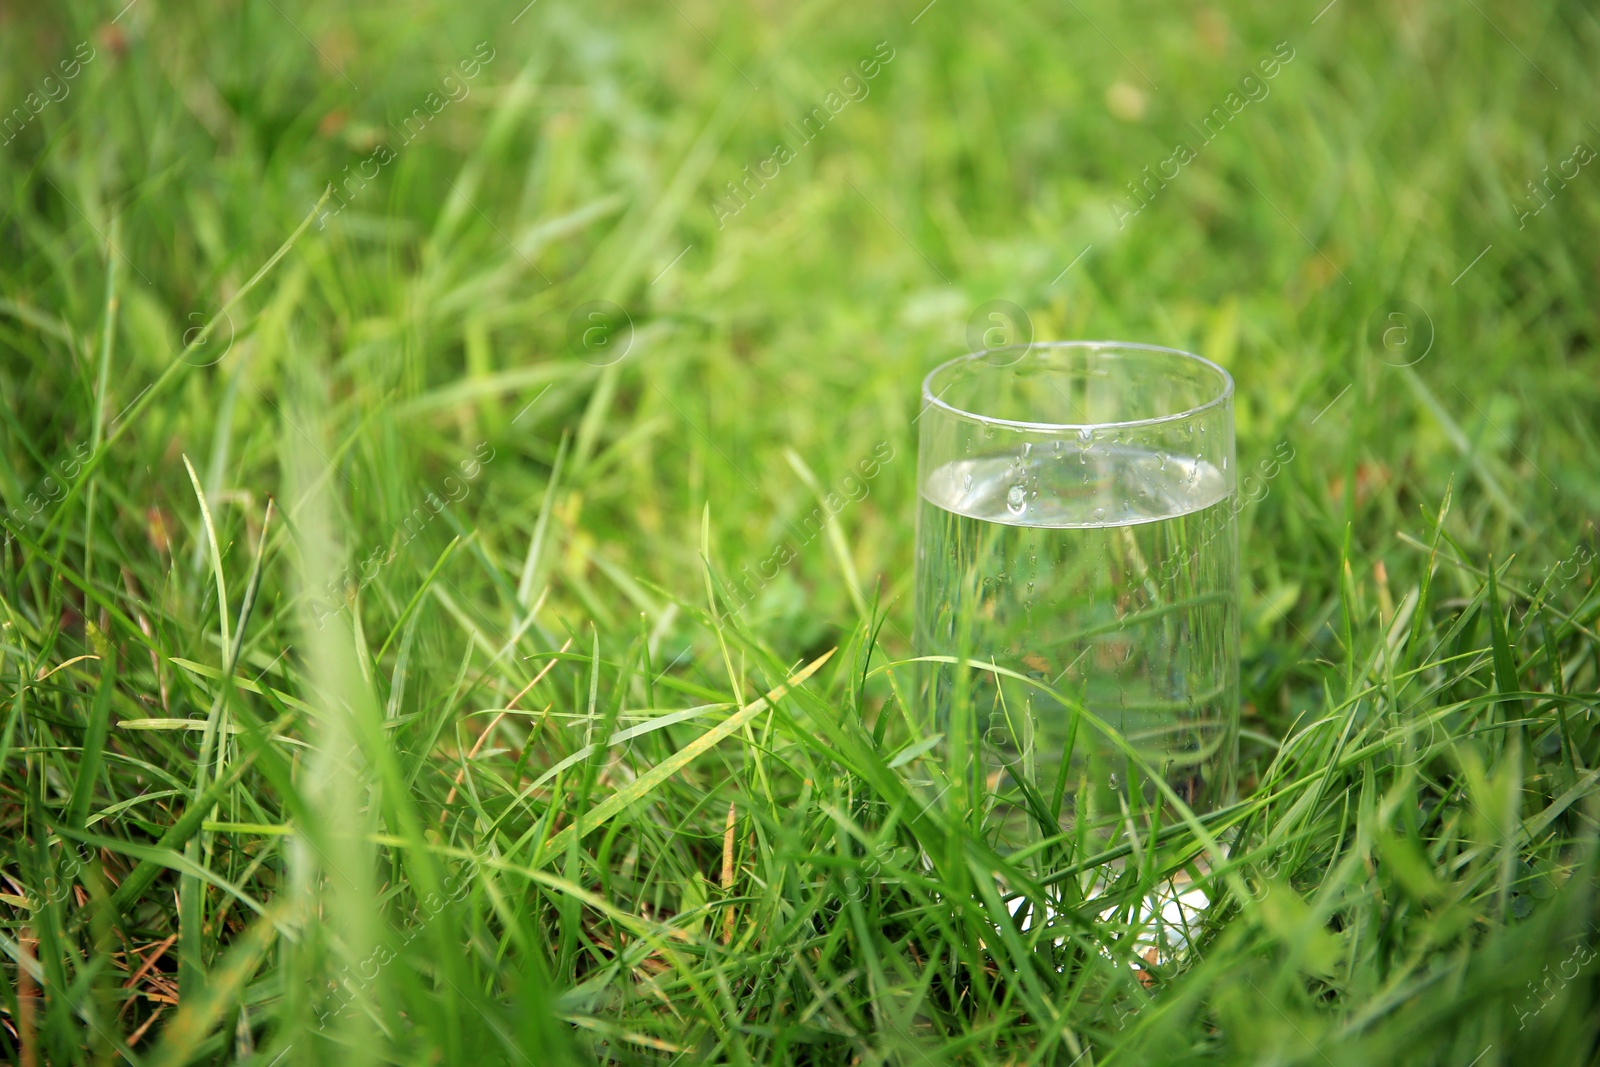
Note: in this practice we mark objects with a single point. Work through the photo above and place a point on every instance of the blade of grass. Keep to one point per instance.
(642, 786)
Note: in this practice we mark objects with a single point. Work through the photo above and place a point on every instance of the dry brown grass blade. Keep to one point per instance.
(510, 706)
(727, 869)
(27, 996)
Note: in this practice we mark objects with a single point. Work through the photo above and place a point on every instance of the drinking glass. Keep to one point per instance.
(1076, 585)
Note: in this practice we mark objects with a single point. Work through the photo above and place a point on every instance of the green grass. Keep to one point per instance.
(262, 798)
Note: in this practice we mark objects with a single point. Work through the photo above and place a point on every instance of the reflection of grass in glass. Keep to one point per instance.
(1079, 607)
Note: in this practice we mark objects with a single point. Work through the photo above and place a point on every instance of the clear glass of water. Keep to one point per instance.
(1076, 586)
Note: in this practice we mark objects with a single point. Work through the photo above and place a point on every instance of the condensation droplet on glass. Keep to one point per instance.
(1099, 514)
(966, 480)
(1027, 446)
(1016, 500)
(1085, 436)
(1162, 456)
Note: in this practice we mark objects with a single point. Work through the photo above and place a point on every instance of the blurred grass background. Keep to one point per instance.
(347, 853)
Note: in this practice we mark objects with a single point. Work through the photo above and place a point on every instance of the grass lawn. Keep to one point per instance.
(459, 468)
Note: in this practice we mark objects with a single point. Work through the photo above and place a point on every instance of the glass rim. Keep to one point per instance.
(932, 399)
